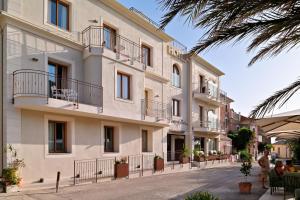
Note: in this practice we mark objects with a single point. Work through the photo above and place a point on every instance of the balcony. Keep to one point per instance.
(155, 111)
(210, 125)
(178, 126)
(97, 38)
(40, 90)
(209, 93)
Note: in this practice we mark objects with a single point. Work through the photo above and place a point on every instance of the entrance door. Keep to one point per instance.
(179, 145)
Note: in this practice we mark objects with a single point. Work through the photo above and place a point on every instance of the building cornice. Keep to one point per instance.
(206, 64)
(122, 10)
(50, 34)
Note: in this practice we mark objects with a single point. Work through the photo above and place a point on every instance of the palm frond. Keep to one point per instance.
(278, 99)
(267, 22)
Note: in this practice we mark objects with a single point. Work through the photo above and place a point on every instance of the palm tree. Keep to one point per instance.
(272, 27)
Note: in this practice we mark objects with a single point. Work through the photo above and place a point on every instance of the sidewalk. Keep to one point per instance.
(220, 181)
(275, 196)
(168, 170)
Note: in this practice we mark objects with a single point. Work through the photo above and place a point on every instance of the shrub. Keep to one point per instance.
(246, 169)
(245, 156)
(201, 196)
(10, 176)
(185, 152)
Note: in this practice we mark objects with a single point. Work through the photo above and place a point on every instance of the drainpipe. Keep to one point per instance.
(1, 95)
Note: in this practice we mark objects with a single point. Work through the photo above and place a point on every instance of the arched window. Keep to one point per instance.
(175, 76)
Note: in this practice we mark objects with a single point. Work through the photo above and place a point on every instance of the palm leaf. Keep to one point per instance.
(278, 99)
(273, 26)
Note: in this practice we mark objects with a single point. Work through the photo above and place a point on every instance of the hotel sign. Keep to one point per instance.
(174, 52)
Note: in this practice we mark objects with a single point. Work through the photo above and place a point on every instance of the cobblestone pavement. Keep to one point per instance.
(222, 182)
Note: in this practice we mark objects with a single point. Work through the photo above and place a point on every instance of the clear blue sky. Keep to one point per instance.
(247, 86)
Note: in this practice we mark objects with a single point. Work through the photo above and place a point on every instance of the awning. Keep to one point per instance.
(283, 125)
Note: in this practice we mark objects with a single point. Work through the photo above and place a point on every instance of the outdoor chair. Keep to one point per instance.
(57, 93)
(275, 181)
(70, 94)
(291, 183)
(297, 194)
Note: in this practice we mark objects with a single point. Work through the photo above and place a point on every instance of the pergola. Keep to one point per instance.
(284, 125)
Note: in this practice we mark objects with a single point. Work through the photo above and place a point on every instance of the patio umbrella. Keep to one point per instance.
(283, 125)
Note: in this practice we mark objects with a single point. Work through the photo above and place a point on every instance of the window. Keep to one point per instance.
(109, 35)
(175, 76)
(144, 141)
(146, 55)
(201, 84)
(123, 86)
(175, 107)
(108, 139)
(58, 14)
(201, 116)
(57, 137)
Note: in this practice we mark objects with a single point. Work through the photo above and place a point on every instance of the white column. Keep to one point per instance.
(206, 146)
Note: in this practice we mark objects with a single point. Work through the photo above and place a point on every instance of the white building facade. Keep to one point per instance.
(93, 79)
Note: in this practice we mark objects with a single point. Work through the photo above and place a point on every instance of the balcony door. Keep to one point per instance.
(110, 37)
(57, 78)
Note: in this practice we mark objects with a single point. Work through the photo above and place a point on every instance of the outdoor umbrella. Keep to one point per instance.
(283, 125)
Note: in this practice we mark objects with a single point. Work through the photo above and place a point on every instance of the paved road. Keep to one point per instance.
(223, 182)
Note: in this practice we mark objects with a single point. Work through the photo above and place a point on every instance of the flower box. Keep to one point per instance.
(121, 170)
(184, 160)
(159, 164)
(199, 158)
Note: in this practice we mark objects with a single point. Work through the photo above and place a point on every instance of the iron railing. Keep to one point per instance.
(36, 83)
(208, 123)
(180, 46)
(98, 36)
(210, 90)
(95, 170)
(155, 109)
(141, 163)
(145, 17)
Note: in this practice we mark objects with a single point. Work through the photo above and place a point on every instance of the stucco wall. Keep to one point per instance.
(87, 144)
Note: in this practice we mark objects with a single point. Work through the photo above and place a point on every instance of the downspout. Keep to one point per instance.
(1, 95)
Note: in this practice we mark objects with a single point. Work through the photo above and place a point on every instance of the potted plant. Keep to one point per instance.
(245, 187)
(184, 157)
(199, 156)
(121, 168)
(158, 163)
(201, 196)
(11, 174)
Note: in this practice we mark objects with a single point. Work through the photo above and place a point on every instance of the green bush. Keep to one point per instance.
(10, 176)
(201, 196)
(245, 156)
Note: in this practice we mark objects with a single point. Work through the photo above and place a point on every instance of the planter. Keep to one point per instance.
(199, 158)
(11, 188)
(121, 170)
(245, 187)
(212, 157)
(184, 160)
(159, 164)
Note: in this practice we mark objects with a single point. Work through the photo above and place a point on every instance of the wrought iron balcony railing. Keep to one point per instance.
(36, 83)
(97, 36)
(210, 90)
(155, 109)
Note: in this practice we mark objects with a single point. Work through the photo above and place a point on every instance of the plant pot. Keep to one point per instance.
(184, 160)
(121, 170)
(212, 157)
(199, 158)
(245, 187)
(11, 188)
(159, 164)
